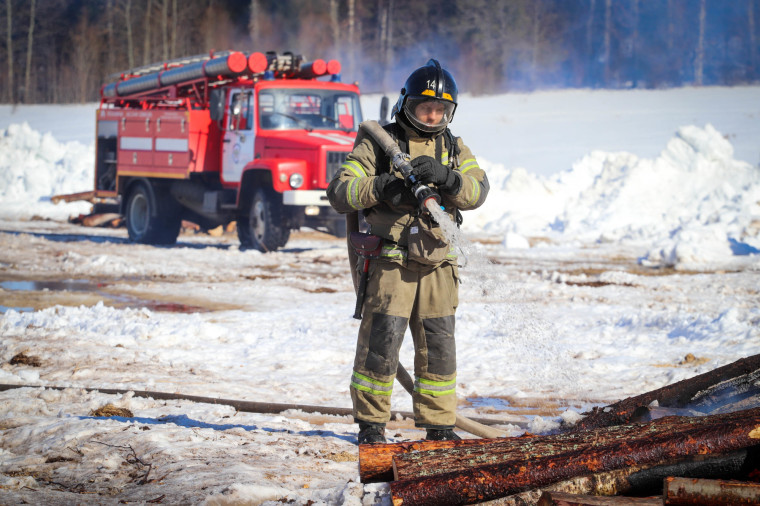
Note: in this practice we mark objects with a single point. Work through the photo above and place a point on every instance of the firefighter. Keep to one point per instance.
(411, 284)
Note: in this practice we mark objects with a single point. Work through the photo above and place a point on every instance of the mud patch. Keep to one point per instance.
(35, 295)
(24, 359)
(342, 457)
(35, 301)
(596, 284)
(689, 360)
(110, 410)
(322, 289)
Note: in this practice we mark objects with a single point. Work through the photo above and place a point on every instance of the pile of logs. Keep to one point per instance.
(641, 446)
(112, 220)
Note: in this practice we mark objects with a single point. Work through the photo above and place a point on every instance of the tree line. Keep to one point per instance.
(62, 51)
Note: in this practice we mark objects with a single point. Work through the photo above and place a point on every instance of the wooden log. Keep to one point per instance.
(565, 499)
(677, 395)
(376, 460)
(689, 491)
(483, 483)
(96, 220)
(428, 461)
(72, 197)
(637, 480)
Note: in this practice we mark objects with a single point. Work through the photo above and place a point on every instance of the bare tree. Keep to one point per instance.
(9, 48)
(110, 36)
(165, 29)
(352, 36)
(174, 29)
(128, 26)
(699, 61)
(80, 71)
(389, 40)
(590, 29)
(334, 23)
(671, 26)
(535, 41)
(147, 35)
(752, 38)
(607, 51)
(385, 8)
(254, 28)
(209, 21)
(635, 42)
(590, 39)
(28, 95)
(483, 64)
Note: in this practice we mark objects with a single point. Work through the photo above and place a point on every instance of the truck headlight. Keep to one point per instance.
(296, 180)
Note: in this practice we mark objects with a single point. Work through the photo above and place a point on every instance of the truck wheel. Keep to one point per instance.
(261, 227)
(152, 215)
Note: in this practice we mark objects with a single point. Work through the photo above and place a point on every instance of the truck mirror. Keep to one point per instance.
(216, 104)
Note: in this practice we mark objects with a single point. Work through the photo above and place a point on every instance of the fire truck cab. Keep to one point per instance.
(215, 141)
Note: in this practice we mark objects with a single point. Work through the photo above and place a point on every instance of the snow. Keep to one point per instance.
(622, 234)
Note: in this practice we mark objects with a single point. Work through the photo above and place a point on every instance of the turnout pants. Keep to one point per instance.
(423, 298)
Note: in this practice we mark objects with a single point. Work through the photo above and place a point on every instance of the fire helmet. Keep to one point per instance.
(434, 87)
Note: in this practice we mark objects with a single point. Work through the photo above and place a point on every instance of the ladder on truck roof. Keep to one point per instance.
(191, 78)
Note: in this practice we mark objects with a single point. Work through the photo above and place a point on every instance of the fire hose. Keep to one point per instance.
(423, 193)
(238, 405)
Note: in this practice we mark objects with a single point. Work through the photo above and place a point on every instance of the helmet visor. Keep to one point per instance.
(429, 114)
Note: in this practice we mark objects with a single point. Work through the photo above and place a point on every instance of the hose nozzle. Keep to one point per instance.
(424, 193)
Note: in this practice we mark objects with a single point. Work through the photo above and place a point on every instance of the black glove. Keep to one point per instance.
(393, 189)
(428, 170)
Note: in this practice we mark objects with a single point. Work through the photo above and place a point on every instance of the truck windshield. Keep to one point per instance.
(287, 109)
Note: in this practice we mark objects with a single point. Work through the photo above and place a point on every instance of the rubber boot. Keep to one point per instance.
(441, 435)
(371, 434)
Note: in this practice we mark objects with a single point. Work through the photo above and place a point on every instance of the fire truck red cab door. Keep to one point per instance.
(238, 139)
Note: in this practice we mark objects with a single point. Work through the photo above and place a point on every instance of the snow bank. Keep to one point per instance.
(34, 167)
(694, 203)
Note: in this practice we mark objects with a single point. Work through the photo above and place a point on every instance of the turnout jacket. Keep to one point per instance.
(352, 187)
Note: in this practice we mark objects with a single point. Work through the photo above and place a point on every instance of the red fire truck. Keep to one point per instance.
(225, 137)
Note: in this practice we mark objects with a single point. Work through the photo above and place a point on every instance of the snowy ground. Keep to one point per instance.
(600, 281)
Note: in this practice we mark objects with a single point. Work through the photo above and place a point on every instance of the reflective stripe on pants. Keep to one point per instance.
(424, 299)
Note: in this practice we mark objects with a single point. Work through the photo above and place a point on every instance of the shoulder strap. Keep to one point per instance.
(439, 148)
(452, 144)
